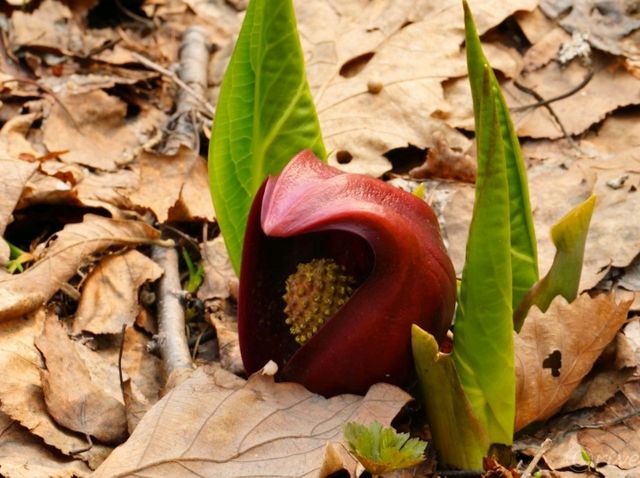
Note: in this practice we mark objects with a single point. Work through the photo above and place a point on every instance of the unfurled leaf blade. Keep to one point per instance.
(264, 116)
(483, 350)
(458, 436)
(569, 236)
(524, 255)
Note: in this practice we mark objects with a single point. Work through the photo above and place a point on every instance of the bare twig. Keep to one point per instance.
(160, 69)
(194, 59)
(544, 447)
(171, 324)
(571, 92)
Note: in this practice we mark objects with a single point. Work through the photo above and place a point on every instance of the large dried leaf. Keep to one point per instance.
(110, 293)
(169, 174)
(376, 69)
(555, 350)
(23, 455)
(58, 260)
(218, 271)
(215, 424)
(73, 399)
(21, 395)
(195, 199)
(93, 127)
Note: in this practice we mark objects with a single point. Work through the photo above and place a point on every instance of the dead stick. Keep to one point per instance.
(546, 445)
(160, 69)
(172, 339)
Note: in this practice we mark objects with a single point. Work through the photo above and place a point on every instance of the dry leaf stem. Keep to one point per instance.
(172, 339)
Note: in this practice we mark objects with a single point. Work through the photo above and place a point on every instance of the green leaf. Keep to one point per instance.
(569, 235)
(524, 255)
(458, 436)
(382, 449)
(483, 350)
(264, 116)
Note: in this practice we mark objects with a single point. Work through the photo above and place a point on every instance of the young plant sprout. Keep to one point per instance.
(336, 268)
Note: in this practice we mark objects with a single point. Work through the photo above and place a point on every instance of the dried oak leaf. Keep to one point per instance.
(215, 424)
(73, 399)
(23, 455)
(58, 260)
(21, 395)
(445, 163)
(110, 293)
(556, 349)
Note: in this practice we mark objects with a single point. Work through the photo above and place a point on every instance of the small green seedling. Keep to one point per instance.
(17, 257)
(196, 274)
(381, 449)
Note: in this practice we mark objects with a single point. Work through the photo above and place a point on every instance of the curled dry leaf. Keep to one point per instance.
(72, 397)
(215, 424)
(23, 455)
(95, 131)
(58, 260)
(218, 271)
(555, 350)
(446, 163)
(110, 293)
(21, 395)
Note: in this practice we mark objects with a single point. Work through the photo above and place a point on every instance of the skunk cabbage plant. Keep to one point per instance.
(335, 270)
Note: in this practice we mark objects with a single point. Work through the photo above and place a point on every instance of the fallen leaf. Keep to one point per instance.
(21, 395)
(218, 272)
(23, 455)
(611, 88)
(166, 174)
(13, 140)
(59, 259)
(110, 293)
(375, 71)
(215, 424)
(555, 350)
(93, 127)
(73, 399)
(195, 202)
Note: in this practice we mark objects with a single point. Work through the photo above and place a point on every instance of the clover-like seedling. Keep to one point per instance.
(381, 449)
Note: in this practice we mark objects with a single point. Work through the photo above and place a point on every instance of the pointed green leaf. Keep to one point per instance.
(264, 116)
(483, 349)
(457, 435)
(524, 255)
(569, 235)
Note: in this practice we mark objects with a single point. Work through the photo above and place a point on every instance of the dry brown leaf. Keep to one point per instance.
(609, 434)
(611, 87)
(444, 163)
(162, 179)
(215, 424)
(555, 350)
(614, 368)
(110, 293)
(72, 397)
(58, 260)
(23, 455)
(13, 140)
(556, 186)
(218, 271)
(15, 175)
(375, 71)
(618, 133)
(195, 198)
(98, 133)
(21, 395)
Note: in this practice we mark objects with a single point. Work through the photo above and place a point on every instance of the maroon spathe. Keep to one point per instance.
(388, 239)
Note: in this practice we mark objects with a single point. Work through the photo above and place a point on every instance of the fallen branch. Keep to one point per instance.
(172, 339)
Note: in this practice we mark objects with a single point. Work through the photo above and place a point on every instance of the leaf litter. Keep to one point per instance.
(81, 135)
